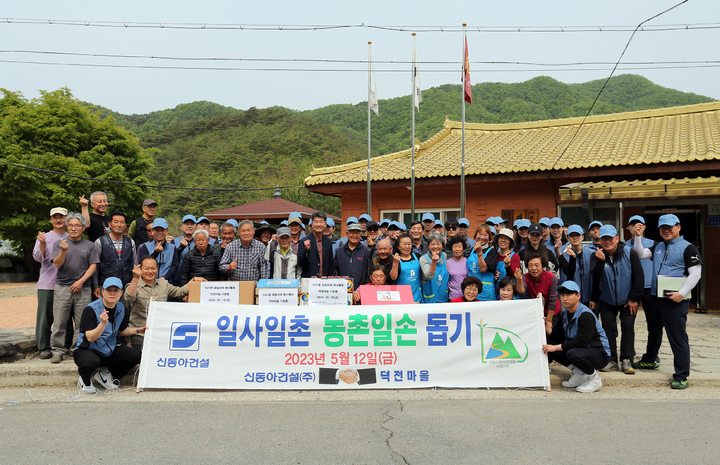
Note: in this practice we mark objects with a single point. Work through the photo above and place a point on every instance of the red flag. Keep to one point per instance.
(466, 76)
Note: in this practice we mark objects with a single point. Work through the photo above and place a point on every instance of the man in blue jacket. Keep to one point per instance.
(101, 323)
(617, 288)
(352, 259)
(674, 256)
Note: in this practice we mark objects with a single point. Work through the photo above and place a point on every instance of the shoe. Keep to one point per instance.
(90, 389)
(591, 384)
(611, 366)
(675, 384)
(45, 354)
(626, 367)
(641, 365)
(56, 358)
(575, 380)
(105, 379)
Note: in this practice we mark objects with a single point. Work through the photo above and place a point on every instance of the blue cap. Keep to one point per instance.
(189, 217)
(428, 217)
(294, 215)
(515, 223)
(574, 228)
(394, 224)
(202, 218)
(523, 223)
(331, 222)
(501, 220)
(282, 223)
(385, 223)
(544, 221)
(401, 226)
(492, 229)
(160, 223)
(557, 221)
(636, 219)
(110, 282)
(570, 286)
(234, 222)
(351, 220)
(365, 217)
(464, 222)
(608, 230)
(668, 220)
(438, 223)
(595, 223)
(490, 220)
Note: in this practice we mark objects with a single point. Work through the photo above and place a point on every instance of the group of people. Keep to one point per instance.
(440, 262)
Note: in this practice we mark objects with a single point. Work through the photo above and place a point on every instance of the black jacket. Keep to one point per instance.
(202, 266)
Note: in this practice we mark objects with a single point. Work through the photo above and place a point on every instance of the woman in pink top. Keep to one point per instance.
(456, 266)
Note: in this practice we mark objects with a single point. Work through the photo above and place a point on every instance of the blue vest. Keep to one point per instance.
(436, 290)
(668, 260)
(570, 326)
(616, 279)
(582, 276)
(647, 263)
(410, 274)
(105, 344)
(113, 264)
(165, 258)
(486, 277)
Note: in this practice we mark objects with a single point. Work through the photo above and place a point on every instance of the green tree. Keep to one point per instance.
(56, 132)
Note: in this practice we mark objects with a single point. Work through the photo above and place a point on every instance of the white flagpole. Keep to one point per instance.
(370, 103)
(415, 103)
(462, 161)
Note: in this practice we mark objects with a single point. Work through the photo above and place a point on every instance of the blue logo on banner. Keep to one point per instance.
(185, 336)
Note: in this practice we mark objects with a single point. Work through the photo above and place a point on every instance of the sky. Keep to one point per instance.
(549, 35)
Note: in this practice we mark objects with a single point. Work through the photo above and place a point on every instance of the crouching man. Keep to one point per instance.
(585, 348)
(102, 321)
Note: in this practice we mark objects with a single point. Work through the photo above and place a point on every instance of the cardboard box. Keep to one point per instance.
(246, 291)
(278, 291)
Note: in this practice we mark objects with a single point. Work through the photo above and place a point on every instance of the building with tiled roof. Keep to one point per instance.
(605, 167)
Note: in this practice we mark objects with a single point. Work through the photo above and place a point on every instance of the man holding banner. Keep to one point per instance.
(585, 347)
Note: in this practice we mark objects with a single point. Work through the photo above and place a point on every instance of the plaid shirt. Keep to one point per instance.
(251, 264)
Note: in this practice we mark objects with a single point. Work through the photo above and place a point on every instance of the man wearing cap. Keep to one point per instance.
(636, 226)
(393, 232)
(428, 221)
(352, 258)
(42, 253)
(76, 260)
(163, 251)
(674, 256)
(594, 233)
(438, 227)
(363, 221)
(244, 259)
(348, 222)
(544, 223)
(101, 322)
(579, 342)
(372, 231)
(204, 223)
(296, 227)
(99, 224)
(315, 254)
(463, 226)
(283, 261)
(138, 228)
(617, 288)
(116, 252)
(575, 262)
(384, 227)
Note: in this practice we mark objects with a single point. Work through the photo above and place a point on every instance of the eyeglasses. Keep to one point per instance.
(74, 226)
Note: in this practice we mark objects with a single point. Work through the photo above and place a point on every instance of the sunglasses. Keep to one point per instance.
(452, 228)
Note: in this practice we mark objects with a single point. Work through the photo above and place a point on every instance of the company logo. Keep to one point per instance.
(506, 347)
(185, 336)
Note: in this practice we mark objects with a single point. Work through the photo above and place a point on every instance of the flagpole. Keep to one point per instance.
(412, 140)
(462, 96)
(369, 194)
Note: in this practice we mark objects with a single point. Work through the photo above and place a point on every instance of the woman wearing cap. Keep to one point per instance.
(264, 233)
(503, 243)
(406, 267)
(482, 262)
(435, 276)
(522, 227)
(557, 236)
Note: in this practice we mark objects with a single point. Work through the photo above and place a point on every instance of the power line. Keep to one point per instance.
(154, 186)
(327, 27)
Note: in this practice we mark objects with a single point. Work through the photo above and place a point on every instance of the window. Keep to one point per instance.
(404, 215)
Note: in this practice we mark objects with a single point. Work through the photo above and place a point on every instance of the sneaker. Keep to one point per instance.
(591, 384)
(626, 367)
(611, 366)
(105, 379)
(575, 380)
(642, 365)
(675, 384)
(56, 358)
(45, 354)
(86, 389)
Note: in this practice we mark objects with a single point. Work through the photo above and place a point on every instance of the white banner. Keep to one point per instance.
(460, 345)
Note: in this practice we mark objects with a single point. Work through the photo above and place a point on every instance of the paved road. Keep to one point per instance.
(642, 425)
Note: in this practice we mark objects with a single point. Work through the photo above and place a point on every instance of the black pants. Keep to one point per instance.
(608, 316)
(119, 362)
(654, 326)
(587, 359)
(674, 320)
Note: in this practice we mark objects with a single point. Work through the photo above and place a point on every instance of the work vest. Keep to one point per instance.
(647, 263)
(582, 276)
(571, 326)
(669, 260)
(486, 277)
(436, 290)
(410, 274)
(114, 264)
(164, 259)
(105, 344)
(616, 280)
